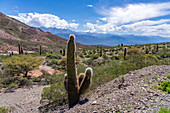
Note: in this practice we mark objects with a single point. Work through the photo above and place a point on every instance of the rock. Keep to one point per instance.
(94, 102)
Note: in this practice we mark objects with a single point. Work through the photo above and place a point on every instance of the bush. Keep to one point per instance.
(7, 109)
(53, 56)
(135, 51)
(164, 110)
(94, 57)
(165, 86)
(55, 94)
(16, 65)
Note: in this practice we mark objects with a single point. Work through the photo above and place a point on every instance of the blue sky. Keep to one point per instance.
(139, 17)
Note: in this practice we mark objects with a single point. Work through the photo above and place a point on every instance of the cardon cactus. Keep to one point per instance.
(40, 50)
(63, 52)
(100, 51)
(19, 48)
(75, 85)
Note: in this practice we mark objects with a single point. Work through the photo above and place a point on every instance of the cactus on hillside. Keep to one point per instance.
(21, 51)
(100, 51)
(125, 51)
(40, 50)
(63, 52)
(75, 85)
(19, 48)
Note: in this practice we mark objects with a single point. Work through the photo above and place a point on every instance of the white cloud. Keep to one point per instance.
(135, 18)
(135, 12)
(90, 26)
(44, 20)
(89, 5)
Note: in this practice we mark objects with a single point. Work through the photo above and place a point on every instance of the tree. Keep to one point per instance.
(21, 64)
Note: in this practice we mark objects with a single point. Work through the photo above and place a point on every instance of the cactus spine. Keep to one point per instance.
(73, 87)
(40, 50)
(125, 51)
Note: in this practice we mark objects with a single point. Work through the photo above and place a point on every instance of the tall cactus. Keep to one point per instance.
(125, 51)
(73, 87)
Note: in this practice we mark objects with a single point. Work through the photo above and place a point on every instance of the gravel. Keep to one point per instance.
(25, 100)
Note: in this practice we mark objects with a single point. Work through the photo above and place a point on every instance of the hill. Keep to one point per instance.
(88, 38)
(13, 32)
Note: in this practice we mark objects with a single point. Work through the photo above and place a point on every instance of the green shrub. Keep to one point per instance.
(16, 65)
(53, 56)
(81, 55)
(55, 94)
(165, 86)
(7, 109)
(168, 75)
(37, 79)
(164, 110)
(12, 85)
(94, 56)
(135, 51)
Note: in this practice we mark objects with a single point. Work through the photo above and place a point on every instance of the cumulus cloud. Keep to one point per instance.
(90, 26)
(44, 20)
(136, 18)
(135, 12)
(89, 5)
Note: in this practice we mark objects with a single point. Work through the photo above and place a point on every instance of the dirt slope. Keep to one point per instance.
(135, 95)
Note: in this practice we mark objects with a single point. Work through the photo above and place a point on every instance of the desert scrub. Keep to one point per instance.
(7, 109)
(168, 75)
(165, 86)
(21, 64)
(55, 94)
(164, 110)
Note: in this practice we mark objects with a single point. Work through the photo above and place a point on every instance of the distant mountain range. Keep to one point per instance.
(88, 38)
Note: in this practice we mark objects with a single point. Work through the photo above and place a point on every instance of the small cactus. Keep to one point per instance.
(63, 52)
(19, 48)
(40, 50)
(60, 52)
(100, 51)
(21, 51)
(75, 85)
(125, 51)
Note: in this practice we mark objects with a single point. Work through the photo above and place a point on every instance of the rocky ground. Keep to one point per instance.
(135, 94)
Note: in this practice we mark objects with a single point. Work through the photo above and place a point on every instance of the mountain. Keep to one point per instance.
(88, 38)
(13, 32)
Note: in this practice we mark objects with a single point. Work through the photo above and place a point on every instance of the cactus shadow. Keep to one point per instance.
(83, 101)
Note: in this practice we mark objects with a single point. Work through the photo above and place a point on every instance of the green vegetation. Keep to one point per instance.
(55, 94)
(7, 109)
(165, 86)
(164, 110)
(168, 75)
(16, 65)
